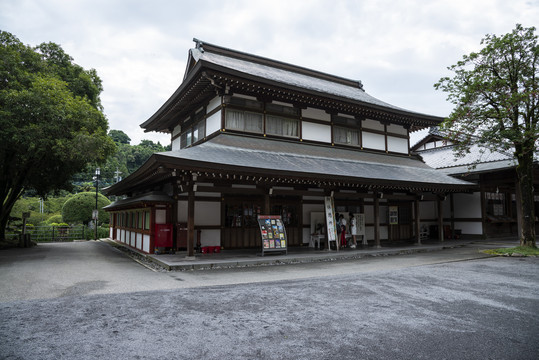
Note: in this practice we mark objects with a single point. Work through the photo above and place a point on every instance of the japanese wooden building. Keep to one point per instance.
(491, 210)
(255, 136)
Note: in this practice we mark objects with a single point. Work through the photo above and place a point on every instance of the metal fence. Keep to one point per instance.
(55, 233)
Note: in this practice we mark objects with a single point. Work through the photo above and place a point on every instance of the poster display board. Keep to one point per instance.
(273, 234)
(329, 207)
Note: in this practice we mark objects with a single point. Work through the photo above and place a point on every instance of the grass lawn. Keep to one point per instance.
(520, 250)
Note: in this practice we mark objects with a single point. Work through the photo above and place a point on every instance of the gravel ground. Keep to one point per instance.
(481, 309)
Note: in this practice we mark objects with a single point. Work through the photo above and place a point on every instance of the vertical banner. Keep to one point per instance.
(329, 207)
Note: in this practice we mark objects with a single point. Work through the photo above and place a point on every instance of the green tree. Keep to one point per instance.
(51, 123)
(79, 208)
(496, 96)
(119, 137)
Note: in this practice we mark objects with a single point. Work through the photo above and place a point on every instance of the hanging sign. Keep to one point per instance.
(330, 220)
(273, 233)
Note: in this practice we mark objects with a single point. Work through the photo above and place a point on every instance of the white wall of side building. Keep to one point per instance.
(207, 213)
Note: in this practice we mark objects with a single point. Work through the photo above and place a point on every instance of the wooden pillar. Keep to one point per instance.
(417, 221)
(440, 219)
(191, 222)
(483, 210)
(175, 216)
(518, 198)
(299, 213)
(377, 221)
(452, 205)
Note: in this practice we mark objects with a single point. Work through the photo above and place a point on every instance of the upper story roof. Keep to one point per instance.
(212, 70)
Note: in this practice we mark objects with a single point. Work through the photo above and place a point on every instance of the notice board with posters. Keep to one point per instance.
(273, 234)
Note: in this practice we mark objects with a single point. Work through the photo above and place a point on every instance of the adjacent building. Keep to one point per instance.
(489, 211)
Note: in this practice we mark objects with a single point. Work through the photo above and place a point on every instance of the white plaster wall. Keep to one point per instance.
(160, 216)
(177, 130)
(176, 144)
(308, 208)
(373, 141)
(316, 114)
(207, 213)
(306, 236)
(118, 235)
(111, 232)
(282, 103)
(210, 237)
(428, 210)
(146, 243)
(369, 232)
(373, 124)
(469, 228)
(396, 129)
(467, 205)
(446, 206)
(399, 145)
(316, 132)
(369, 214)
(213, 123)
(182, 211)
(215, 102)
(139, 241)
(245, 96)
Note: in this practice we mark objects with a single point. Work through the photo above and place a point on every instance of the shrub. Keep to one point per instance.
(54, 219)
(79, 208)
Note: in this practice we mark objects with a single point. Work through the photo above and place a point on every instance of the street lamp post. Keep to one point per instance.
(97, 173)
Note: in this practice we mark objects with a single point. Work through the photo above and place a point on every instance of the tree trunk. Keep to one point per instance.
(7, 205)
(525, 184)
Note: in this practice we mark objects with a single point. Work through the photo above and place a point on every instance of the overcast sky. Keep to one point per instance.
(397, 48)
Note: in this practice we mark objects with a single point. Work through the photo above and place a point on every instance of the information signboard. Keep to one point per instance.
(273, 234)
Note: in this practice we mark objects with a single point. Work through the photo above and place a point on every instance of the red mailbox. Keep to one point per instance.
(163, 235)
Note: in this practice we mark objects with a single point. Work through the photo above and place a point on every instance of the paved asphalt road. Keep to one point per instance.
(88, 301)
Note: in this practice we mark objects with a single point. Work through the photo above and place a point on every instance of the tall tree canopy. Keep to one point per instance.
(496, 97)
(51, 121)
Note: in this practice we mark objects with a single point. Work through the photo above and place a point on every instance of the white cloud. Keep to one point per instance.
(399, 49)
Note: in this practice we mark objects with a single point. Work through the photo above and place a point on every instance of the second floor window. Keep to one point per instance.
(244, 121)
(276, 125)
(345, 136)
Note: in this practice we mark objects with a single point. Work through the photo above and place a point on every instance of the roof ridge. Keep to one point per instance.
(220, 50)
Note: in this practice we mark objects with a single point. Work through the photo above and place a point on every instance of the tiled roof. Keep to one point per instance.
(444, 159)
(292, 78)
(242, 153)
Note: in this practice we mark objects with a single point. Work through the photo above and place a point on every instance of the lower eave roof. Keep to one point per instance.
(283, 159)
